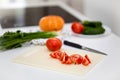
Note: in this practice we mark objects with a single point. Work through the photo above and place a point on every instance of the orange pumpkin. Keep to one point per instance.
(51, 23)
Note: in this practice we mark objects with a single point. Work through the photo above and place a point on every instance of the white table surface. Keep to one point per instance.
(107, 69)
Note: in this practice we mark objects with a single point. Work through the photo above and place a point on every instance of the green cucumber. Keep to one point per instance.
(93, 28)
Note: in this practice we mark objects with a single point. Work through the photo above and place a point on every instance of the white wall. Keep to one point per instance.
(76, 4)
(34, 1)
(107, 11)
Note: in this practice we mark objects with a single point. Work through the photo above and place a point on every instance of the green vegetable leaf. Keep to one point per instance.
(11, 40)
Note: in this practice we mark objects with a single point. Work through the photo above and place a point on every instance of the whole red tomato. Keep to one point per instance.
(77, 27)
(53, 44)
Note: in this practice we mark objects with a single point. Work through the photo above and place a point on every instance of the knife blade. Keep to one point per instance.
(68, 43)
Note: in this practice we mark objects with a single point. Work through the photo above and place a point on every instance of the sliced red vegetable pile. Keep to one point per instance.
(70, 59)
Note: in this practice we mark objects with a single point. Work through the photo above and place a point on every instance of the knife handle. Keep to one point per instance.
(68, 43)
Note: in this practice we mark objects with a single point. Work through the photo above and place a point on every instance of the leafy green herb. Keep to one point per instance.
(10, 40)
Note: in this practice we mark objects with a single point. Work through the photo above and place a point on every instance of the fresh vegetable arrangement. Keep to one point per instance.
(88, 27)
(10, 40)
(70, 59)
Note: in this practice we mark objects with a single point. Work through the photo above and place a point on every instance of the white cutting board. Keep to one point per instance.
(38, 56)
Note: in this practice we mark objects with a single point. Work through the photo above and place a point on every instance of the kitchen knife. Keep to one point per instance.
(68, 43)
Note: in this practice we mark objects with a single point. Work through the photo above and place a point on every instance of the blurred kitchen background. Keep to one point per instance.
(107, 11)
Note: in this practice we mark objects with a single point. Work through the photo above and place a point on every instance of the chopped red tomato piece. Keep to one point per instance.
(64, 57)
(63, 54)
(85, 62)
(56, 54)
(69, 61)
(53, 55)
(86, 56)
(76, 58)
